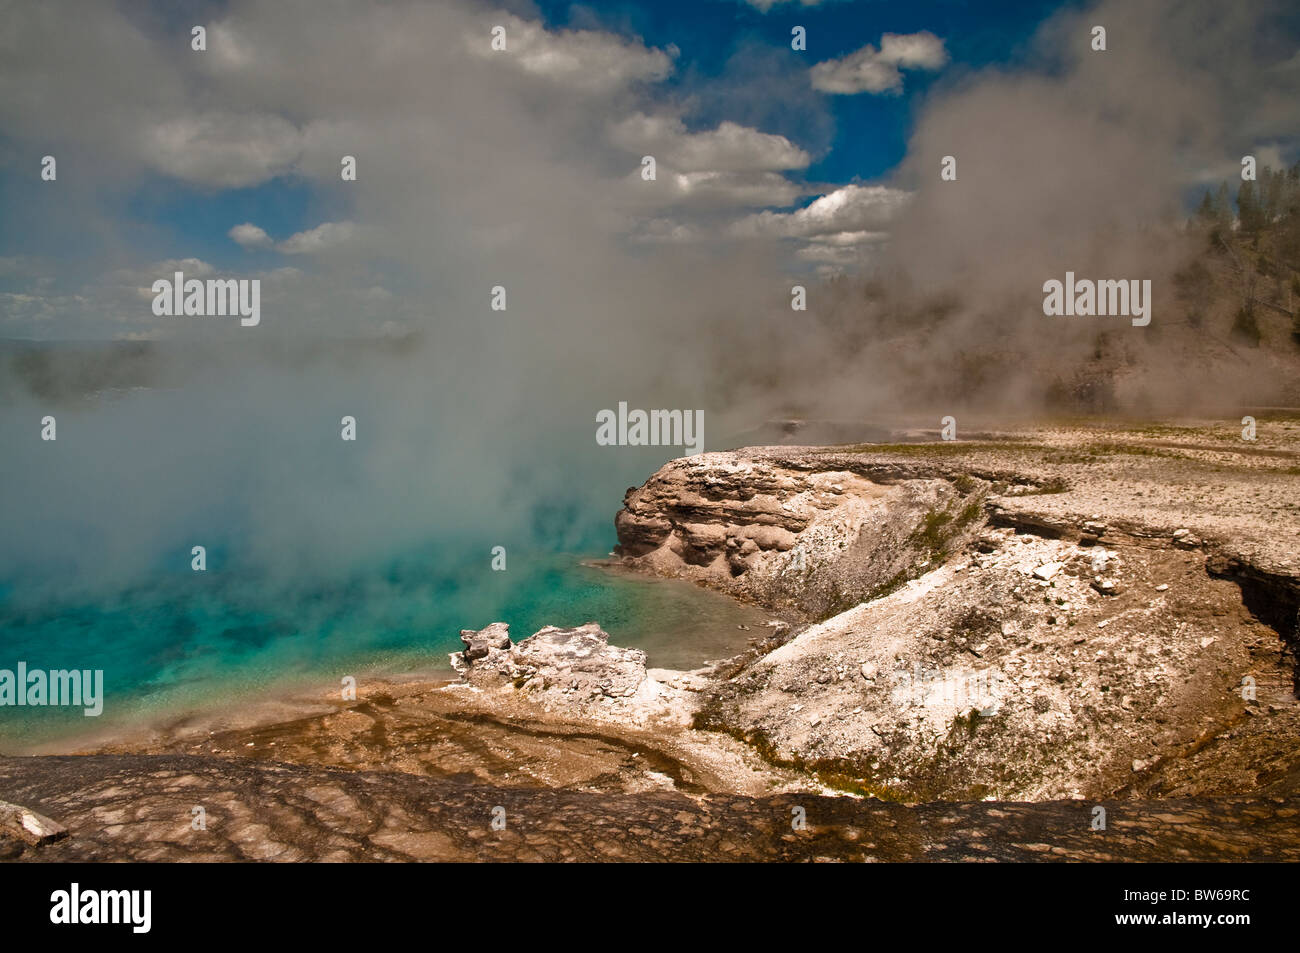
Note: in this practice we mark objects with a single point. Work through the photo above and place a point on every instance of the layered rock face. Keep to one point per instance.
(814, 539)
(1084, 645)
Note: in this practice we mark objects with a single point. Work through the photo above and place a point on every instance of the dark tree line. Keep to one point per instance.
(1261, 236)
(1271, 205)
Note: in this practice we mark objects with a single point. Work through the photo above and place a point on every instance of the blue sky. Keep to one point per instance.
(870, 131)
(851, 137)
(795, 161)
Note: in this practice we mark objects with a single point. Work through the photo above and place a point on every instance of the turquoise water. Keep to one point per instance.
(195, 640)
(324, 557)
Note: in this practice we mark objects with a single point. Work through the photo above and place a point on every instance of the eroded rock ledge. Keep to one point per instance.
(1088, 643)
(816, 540)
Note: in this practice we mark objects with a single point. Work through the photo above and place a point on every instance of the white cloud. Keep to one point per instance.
(577, 59)
(249, 235)
(193, 268)
(854, 210)
(713, 189)
(728, 148)
(841, 253)
(921, 50)
(871, 70)
(460, 154)
(839, 227)
(224, 149)
(324, 236)
(18, 309)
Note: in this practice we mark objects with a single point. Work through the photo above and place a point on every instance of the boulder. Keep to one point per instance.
(28, 826)
(571, 668)
(479, 643)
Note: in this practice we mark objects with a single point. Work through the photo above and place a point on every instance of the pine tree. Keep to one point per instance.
(1274, 191)
(1248, 212)
(1205, 211)
(1245, 326)
(1222, 208)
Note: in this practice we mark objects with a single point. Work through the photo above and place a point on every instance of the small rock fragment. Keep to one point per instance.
(1047, 570)
(1107, 587)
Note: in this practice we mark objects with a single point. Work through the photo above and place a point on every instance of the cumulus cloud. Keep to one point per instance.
(323, 237)
(193, 268)
(578, 59)
(854, 210)
(709, 190)
(840, 251)
(228, 150)
(871, 70)
(728, 148)
(831, 260)
(249, 235)
(729, 165)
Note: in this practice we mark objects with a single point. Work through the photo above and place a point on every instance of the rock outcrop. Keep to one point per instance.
(25, 825)
(1014, 674)
(808, 538)
(574, 670)
(1087, 643)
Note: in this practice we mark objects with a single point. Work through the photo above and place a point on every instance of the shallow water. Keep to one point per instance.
(194, 642)
(323, 558)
